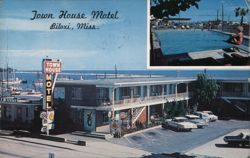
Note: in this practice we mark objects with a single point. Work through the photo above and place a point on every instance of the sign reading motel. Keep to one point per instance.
(48, 90)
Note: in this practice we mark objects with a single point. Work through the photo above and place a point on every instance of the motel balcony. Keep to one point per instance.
(137, 101)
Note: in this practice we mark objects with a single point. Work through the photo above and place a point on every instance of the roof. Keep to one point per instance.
(122, 82)
(233, 79)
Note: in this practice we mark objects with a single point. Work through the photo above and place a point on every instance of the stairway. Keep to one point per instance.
(232, 109)
(136, 113)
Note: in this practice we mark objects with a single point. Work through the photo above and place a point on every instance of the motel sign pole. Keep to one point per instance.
(50, 68)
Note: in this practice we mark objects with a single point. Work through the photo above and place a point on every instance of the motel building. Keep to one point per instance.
(90, 105)
(19, 112)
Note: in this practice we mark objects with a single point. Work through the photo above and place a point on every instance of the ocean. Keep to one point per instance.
(31, 76)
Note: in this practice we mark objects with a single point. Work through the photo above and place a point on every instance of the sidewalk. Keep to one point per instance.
(37, 148)
(215, 148)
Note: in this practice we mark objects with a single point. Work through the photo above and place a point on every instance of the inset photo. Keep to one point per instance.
(199, 33)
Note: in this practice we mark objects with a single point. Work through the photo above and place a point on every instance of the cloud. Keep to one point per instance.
(44, 25)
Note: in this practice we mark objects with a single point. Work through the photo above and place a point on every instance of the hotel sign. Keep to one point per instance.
(52, 67)
(48, 89)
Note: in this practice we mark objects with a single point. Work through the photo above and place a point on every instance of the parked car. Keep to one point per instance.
(179, 124)
(212, 117)
(242, 139)
(202, 115)
(197, 120)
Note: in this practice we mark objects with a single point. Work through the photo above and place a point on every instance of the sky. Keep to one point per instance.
(121, 42)
(208, 10)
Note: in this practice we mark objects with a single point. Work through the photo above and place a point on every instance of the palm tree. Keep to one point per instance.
(241, 12)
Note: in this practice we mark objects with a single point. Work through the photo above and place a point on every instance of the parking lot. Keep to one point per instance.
(159, 140)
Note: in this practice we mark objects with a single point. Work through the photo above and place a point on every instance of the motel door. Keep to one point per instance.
(89, 120)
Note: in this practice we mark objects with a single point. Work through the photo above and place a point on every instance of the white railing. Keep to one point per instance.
(150, 98)
(140, 100)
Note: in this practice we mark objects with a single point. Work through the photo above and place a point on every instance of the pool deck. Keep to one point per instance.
(215, 54)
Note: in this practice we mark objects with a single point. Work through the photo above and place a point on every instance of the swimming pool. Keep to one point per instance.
(184, 41)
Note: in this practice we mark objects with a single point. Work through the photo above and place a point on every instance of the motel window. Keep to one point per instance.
(155, 90)
(137, 91)
(102, 93)
(105, 117)
(125, 92)
(76, 93)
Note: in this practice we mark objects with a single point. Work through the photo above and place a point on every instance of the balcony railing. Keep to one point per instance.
(144, 99)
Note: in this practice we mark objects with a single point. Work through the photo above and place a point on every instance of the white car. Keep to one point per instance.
(197, 120)
(179, 123)
(203, 116)
(212, 117)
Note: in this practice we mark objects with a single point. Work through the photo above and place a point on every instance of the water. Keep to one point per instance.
(184, 41)
(31, 76)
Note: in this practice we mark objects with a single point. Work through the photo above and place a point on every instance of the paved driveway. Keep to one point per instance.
(161, 140)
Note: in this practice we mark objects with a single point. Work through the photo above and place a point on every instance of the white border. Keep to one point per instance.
(182, 67)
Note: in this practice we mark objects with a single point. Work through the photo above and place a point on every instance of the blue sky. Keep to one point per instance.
(121, 42)
(208, 10)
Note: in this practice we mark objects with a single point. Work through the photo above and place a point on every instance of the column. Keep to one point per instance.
(148, 91)
(245, 89)
(148, 114)
(131, 92)
(187, 87)
(142, 91)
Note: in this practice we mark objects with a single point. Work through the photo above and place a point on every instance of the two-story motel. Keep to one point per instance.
(93, 103)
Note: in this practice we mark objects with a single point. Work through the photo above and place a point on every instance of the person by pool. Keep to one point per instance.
(237, 38)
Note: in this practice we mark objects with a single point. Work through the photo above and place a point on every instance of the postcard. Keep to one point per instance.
(116, 78)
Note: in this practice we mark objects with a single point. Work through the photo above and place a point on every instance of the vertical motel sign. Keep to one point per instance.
(50, 70)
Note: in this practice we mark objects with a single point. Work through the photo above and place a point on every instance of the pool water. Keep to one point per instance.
(184, 41)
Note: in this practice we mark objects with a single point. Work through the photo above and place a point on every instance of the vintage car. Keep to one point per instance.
(212, 117)
(197, 120)
(202, 115)
(242, 139)
(179, 124)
